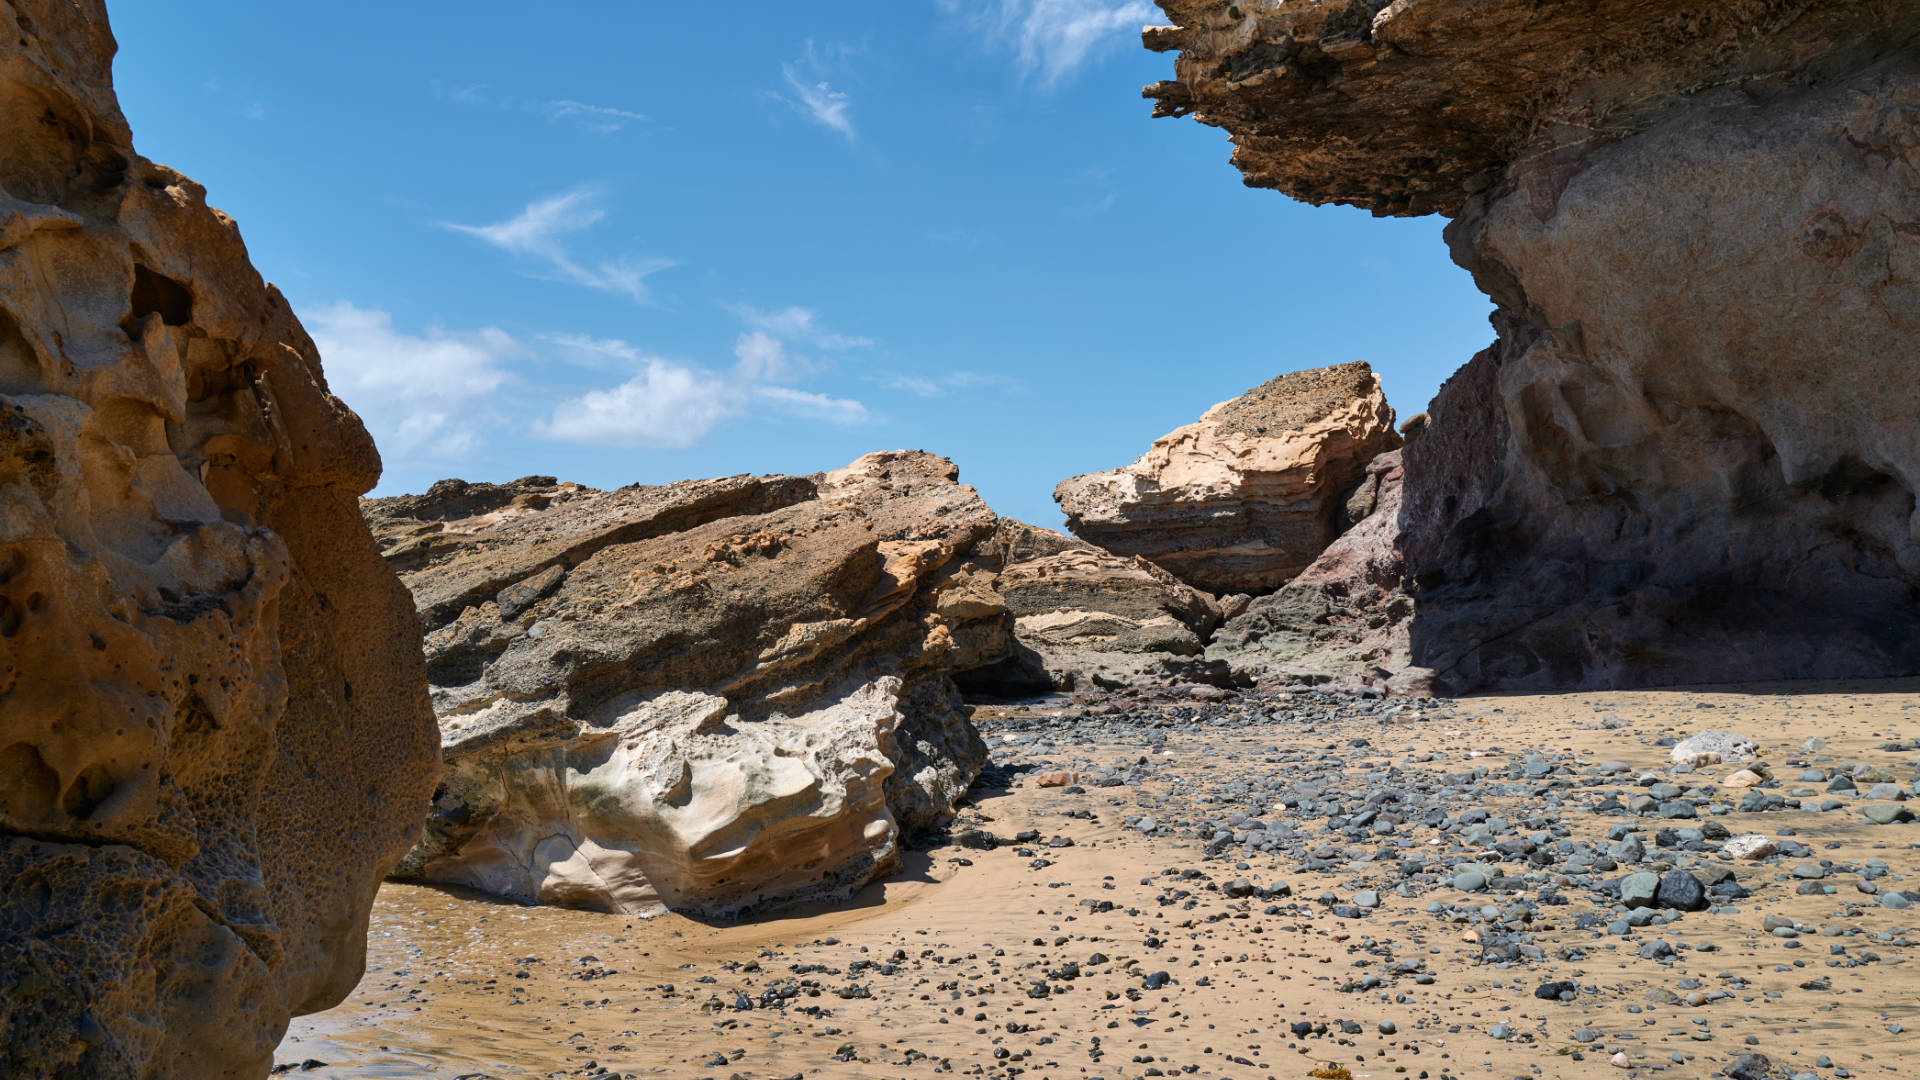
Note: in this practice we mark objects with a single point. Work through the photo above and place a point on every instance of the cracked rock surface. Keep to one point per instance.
(706, 697)
(1247, 496)
(1691, 453)
(214, 734)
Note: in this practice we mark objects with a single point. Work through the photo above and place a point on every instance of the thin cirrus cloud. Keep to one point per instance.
(599, 119)
(797, 323)
(1051, 39)
(813, 95)
(423, 396)
(674, 405)
(933, 386)
(537, 233)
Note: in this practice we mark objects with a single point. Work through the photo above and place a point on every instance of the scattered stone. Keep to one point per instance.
(1711, 747)
(1750, 846)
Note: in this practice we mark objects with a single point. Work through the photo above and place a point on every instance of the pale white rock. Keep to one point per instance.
(1749, 846)
(680, 803)
(1084, 614)
(1711, 747)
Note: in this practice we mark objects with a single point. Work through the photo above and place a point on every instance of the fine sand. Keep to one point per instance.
(1131, 955)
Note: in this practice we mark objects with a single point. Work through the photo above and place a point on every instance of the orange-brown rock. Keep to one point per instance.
(214, 730)
(1249, 495)
(710, 696)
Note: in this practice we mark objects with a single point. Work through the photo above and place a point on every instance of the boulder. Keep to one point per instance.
(1345, 620)
(1093, 617)
(709, 696)
(214, 730)
(1690, 453)
(1711, 747)
(1249, 495)
(1750, 846)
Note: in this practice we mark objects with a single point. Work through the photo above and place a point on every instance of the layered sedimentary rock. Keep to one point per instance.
(1692, 453)
(1345, 620)
(1092, 617)
(707, 696)
(1246, 497)
(214, 730)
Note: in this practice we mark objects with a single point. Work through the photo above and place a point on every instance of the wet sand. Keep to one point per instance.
(1115, 953)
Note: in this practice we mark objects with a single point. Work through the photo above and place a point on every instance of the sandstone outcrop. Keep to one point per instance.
(1344, 621)
(1246, 497)
(1095, 618)
(1692, 452)
(214, 731)
(708, 696)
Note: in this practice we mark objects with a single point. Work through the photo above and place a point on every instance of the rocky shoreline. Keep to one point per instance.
(1203, 812)
(1261, 887)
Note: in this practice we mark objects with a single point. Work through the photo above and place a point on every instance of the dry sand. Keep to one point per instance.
(958, 966)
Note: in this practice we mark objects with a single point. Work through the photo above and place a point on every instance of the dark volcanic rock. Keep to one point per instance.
(1690, 454)
(1345, 619)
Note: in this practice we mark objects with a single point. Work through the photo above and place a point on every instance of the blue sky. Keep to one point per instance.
(620, 242)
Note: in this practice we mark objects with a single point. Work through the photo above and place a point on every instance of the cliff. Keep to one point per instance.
(1692, 452)
(214, 730)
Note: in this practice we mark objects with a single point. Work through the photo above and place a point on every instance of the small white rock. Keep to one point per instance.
(1712, 747)
(1749, 846)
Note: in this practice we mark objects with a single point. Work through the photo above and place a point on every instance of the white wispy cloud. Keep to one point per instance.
(603, 119)
(822, 102)
(1051, 39)
(420, 395)
(843, 411)
(670, 404)
(761, 357)
(933, 386)
(599, 119)
(536, 233)
(797, 324)
(814, 96)
(665, 404)
(588, 351)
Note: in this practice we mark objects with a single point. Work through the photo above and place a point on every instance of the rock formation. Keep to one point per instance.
(1692, 453)
(1093, 617)
(1246, 497)
(707, 696)
(214, 732)
(1344, 621)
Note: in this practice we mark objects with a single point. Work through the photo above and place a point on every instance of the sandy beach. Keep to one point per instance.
(1078, 945)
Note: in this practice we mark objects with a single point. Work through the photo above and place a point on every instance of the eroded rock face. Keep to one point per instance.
(1692, 454)
(1093, 617)
(1246, 497)
(214, 731)
(707, 696)
(1344, 621)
